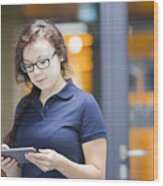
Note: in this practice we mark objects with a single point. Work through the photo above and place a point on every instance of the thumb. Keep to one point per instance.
(4, 146)
(44, 150)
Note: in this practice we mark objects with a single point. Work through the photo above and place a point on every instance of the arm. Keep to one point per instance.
(95, 162)
(94, 166)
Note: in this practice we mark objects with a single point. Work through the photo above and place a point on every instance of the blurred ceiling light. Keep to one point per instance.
(75, 44)
(87, 12)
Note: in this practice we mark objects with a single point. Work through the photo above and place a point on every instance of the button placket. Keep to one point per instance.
(47, 105)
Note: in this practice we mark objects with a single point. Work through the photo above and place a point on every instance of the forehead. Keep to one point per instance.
(37, 49)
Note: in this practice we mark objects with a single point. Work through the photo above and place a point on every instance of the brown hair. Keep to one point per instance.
(39, 28)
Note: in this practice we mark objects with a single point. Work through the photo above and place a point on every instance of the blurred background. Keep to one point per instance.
(111, 53)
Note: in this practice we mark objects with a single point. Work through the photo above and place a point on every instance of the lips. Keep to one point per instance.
(41, 80)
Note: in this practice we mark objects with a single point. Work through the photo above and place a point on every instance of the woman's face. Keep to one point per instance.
(41, 50)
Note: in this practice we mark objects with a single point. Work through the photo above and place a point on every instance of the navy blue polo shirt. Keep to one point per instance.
(67, 120)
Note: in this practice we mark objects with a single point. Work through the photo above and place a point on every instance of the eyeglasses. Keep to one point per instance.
(42, 64)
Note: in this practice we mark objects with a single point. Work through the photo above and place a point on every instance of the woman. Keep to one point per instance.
(62, 121)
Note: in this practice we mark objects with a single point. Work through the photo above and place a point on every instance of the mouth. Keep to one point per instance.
(41, 80)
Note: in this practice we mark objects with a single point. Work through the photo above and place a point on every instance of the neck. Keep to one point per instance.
(45, 94)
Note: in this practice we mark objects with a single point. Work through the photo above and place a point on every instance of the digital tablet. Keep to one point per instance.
(17, 153)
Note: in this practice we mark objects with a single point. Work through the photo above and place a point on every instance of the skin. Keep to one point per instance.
(48, 159)
(53, 81)
(9, 165)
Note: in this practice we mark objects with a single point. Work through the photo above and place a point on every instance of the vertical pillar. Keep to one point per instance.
(114, 83)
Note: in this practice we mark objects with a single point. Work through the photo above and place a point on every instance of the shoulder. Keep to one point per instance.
(90, 101)
(77, 98)
(87, 99)
(93, 124)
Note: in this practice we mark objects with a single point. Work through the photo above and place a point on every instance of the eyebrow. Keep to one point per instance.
(38, 58)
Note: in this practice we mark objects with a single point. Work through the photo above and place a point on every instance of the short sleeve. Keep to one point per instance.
(93, 125)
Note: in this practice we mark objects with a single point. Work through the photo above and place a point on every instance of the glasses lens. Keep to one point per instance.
(30, 67)
(43, 64)
(26, 68)
(23, 68)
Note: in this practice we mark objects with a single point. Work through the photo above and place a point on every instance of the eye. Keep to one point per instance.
(43, 62)
(28, 66)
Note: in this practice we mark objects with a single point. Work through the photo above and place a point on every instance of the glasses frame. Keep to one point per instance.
(23, 68)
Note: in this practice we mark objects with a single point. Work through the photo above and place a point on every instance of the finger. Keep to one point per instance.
(41, 167)
(5, 146)
(39, 156)
(44, 150)
(28, 157)
(11, 164)
(37, 162)
(48, 151)
(6, 161)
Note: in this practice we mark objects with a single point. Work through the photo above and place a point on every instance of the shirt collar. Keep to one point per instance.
(68, 90)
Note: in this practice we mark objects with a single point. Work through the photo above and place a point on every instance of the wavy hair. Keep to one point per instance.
(39, 28)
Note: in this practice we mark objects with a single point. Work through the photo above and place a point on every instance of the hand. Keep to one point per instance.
(46, 159)
(8, 165)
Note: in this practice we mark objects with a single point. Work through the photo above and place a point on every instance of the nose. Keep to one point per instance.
(36, 70)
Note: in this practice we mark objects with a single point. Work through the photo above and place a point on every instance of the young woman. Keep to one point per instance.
(60, 120)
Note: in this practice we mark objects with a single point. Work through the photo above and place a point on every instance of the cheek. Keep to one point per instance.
(30, 77)
(55, 69)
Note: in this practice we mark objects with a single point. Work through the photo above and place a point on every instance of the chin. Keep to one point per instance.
(45, 87)
(41, 87)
